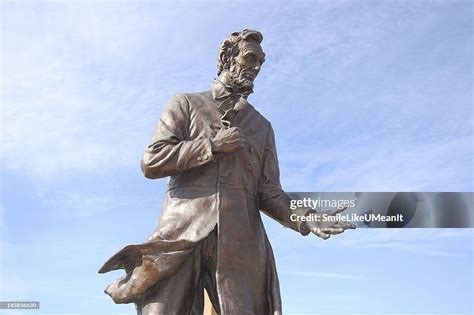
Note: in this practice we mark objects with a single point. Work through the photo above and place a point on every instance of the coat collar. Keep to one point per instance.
(222, 91)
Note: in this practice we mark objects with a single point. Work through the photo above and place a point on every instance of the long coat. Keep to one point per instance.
(207, 189)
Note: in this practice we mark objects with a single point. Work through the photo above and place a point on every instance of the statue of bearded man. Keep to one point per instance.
(219, 155)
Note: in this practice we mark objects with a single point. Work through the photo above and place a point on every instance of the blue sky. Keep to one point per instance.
(363, 96)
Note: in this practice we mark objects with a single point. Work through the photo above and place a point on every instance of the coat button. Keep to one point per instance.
(199, 158)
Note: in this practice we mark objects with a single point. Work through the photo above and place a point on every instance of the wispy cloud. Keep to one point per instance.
(422, 242)
(379, 166)
(330, 275)
(79, 99)
(430, 242)
(76, 204)
(85, 204)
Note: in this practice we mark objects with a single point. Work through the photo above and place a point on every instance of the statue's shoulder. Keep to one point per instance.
(261, 121)
(185, 101)
(196, 97)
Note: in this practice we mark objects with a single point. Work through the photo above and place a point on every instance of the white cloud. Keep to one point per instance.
(75, 95)
(85, 96)
(430, 242)
(329, 275)
(422, 241)
(85, 203)
(63, 127)
(376, 166)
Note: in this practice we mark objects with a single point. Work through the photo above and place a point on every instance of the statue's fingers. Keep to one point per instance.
(337, 210)
(321, 234)
(337, 231)
(344, 225)
(333, 231)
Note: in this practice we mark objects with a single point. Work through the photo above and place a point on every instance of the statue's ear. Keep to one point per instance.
(227, 52)
(224, 59)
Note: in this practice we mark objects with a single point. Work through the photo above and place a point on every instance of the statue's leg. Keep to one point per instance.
(175, 295)
(209, 272)
(207, 279)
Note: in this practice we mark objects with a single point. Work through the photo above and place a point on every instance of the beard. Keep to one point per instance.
(239, 82)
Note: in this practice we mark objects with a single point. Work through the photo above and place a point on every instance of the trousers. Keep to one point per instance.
(183, 293)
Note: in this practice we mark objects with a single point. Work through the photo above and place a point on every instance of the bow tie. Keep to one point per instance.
(226, 95)
(230, 101)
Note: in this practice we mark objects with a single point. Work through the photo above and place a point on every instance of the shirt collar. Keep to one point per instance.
(220, 91)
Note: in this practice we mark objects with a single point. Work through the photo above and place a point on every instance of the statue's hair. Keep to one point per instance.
(230, 47)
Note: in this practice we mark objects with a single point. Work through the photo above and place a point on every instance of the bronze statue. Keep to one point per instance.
(219, 155)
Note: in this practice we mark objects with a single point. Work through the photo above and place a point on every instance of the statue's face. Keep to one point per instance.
(246, 65)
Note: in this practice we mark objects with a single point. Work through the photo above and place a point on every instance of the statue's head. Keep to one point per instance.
(240, 58)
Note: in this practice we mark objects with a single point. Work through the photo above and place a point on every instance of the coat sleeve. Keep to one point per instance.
(273, 200)
(170, 151)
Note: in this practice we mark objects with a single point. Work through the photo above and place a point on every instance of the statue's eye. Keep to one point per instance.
(250, 58)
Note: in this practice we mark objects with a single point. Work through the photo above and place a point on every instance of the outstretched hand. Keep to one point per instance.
(324, 228)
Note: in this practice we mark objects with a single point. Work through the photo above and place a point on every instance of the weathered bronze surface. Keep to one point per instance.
(219, 155)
